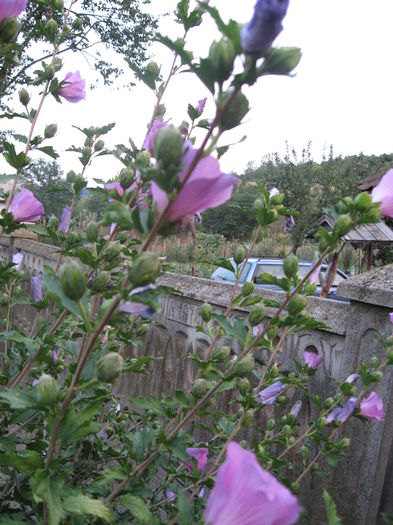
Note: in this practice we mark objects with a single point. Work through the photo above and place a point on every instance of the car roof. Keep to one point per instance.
(273, 260)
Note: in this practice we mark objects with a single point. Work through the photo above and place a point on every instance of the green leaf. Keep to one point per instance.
(230, 30)
(333, 519)
(47, 488)
(185, 510)
(18, 400)
(252, 299)
(27, 460)
(81, 505)
(138, 509)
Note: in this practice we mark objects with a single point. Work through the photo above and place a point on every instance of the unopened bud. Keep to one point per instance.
(51, 29)
(328, 402)
(24, 96)
(222, 56)
(206, 312)
(376, 376)
(297, 304)
(101, 282)
(112, 251)
(342, 224)
(258, 204)
(363, 201)
(344, 442)
(48, 390)
(235, 112)
(71, 177)
(127, 177)
(249, 418)
(53, 223)
(239, 255)
(77, 23)
(9, 28)
(99, 145)
(199, 388)
(73, 280)
(50, 131)
(244, 385)
(168, 146)
(145, 269)
(244, 365)
(109, 367)
(256, 315)
(152, 70)
(290, 266)
(281, 60)
(92, 231)
(221, 354)
(143, 157)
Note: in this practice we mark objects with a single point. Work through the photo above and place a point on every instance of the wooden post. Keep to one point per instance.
(369, 256)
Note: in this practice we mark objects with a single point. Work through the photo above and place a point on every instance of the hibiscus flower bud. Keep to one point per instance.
(297, 304)
(127, 176)
(248, 288)
(206, 312)
(290, 266)
(109, 367)
(244, 365)
(51, 29)
(244, 386)
(73, 280)
(256, 315)
(235, 112)
(50, 131)
(239, 255)
(145, 269)
(99, 145)
(48, 390)
(24, 96)
(92, 231)
(342, 224)
(200, 387)
(53, 223)
(77, 23)
(112, 251)
(281, 60)
(101, 282)
(143, 158)
(152, 70)
(221, 354)
(8, 30)
(222, 55)
(168, 146)
(363, 201)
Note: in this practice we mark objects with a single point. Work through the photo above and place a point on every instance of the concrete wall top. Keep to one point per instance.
(374, 287)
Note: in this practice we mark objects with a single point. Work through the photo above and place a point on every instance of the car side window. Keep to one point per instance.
(274, 269)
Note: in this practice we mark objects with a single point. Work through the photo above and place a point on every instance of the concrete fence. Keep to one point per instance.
(362, 485)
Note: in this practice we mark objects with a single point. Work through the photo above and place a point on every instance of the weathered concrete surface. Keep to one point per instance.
(374, 287)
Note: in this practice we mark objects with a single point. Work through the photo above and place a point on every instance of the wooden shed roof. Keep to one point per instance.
(377, 233)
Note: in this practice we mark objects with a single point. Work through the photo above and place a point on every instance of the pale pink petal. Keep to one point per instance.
(200, 454)
(312, 360)
(26, 208)
(74, 88)
(10, 8)
(383, 193)
(372, 407)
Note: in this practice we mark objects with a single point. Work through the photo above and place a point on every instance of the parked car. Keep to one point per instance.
(257, 265)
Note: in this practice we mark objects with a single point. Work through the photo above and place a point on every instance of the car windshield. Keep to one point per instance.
(226, 275)
(277, 271)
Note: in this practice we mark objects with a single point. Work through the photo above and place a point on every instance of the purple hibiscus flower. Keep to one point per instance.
(73, 88)
(268, 395)
(200, 455)
(26, 208)
(342, 414)
(265, 25)
(10, 8)
(372, 407)
(36, 286)
(246, 494)
(383, 193)
(65, 220)
(312, 360)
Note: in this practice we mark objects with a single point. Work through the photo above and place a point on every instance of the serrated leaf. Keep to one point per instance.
(185, 510)
(25, 461)
(80, 504)
(18, 400)
(138, 509)
(333, 519)
(252, 299)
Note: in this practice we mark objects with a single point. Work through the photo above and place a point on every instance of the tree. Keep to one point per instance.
(46, 180)
(104, 28)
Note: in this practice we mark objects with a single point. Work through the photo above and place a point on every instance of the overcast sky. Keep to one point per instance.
(341, 93)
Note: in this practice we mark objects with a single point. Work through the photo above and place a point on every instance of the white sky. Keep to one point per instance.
(341, 94)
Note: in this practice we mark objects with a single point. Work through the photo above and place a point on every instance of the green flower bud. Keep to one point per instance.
(222, 55)
(145, 269)
(374, 362)
(390, 358)
(271, 424)
(101, 282)
(328, 402)
(363, 201)
(295, 486)
(290, 266)
(50, 131)
(274, 371)
(291, 440)
(143, 157)
(18, 292)
(244, 365)
(248, 288)
(3, 299)
(152, 70)
(206, 312)
(24, 96)
(127, 177)
(51, 29)
(99, 145)
(277, 199)
(71, 177)
(244, 386)
(92, 231)
(168, 146)
(86, 152)
(199, 388)
(342, 224)
(77, 23)
(235, 112)
(304, 452)
(249, 418)
(297, 304)
(286, 430)
(73, 280)
(123, 237)
(59, 5)
(389, 341)
(239, 255)
(9, 28)
(161, 110)
(344, 442)
(257, 313)
(109, 367)
(281, 60)
(53, 223)
(112, 251)
(376, 376)
(48, 390)
(221, 354)
(258, 204)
